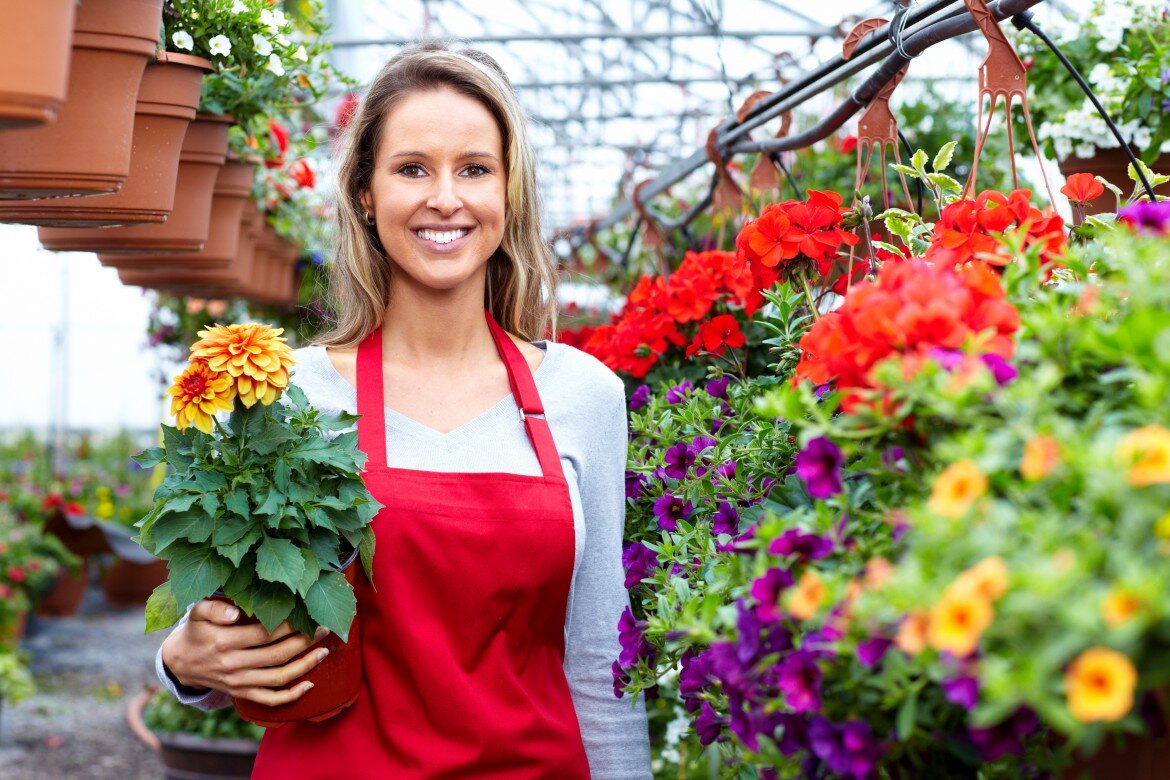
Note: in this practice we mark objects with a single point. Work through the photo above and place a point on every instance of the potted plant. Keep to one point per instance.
(1122, 48)
(16, 681)
(266, 509)
(213, 744)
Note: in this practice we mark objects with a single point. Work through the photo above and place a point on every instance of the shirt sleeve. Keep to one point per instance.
(613, 730)
(192, 697)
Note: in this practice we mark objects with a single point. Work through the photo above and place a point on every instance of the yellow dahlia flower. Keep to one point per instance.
(254, 355)
(198, 394)
(1100, 685)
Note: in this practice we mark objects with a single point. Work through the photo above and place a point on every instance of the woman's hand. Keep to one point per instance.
(210, 651)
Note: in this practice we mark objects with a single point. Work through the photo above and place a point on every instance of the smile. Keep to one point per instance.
(442, 240)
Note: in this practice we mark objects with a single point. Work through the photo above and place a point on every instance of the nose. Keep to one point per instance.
(443, 198)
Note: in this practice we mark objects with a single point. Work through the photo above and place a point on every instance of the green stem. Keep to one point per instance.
(812, 305)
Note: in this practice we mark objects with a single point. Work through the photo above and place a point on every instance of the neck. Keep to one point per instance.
(421, 327)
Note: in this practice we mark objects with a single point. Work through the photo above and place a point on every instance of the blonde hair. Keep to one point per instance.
(521, 277)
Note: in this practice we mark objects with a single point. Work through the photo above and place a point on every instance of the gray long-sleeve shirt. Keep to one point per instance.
(585, 408)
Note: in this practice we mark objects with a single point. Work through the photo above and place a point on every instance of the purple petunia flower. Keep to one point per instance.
(871, 651)
(639, 397)
(947, 359)
(620, 679)
(819, 465)
(639, 562)
(717, 388)
(1002, 370)
(635, 484)
(669, 510)
(701, 443)
(678, 393)
(694, 677)
(1146, 217)
(799, 676)
(806, 547)
(822, 390)
(1007, 738)
(767, 589)
(633, 643)
(963, 691)
(678, 461)
(725, 520)
(891, 456)
(708, 725)
(849, 749)
(726, 470)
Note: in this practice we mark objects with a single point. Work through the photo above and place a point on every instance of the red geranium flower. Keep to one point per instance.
(1082, 188)
(717, 334)
(302, 173)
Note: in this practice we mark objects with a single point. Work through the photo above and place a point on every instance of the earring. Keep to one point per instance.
(366, 216)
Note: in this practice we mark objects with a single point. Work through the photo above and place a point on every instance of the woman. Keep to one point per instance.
(488, 643)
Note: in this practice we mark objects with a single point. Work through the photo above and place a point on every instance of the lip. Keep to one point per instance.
(432, 246)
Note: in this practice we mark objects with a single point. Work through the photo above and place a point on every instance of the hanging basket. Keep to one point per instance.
(87, 150)
(129, 584)
(1111, 165)
(233, 186)
(34, 61)
(167, 100)
(68, 591)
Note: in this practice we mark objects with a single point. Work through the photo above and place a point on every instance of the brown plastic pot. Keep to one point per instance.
(336, 680)
(129, 584)
(87, 150)
(34, 61)
(67, 593)
(192, 757)
(203, 153)
(167, 100)
(233, 186)
(1112, 165)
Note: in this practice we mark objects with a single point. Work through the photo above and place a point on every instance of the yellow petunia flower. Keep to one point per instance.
(254, 355)
(1119, 607)
(988, 578)
(1041, 456)
(956, 489)
(958, 620)
(807, 596)
(1100, 684)
(198, 394)
(1146, 451)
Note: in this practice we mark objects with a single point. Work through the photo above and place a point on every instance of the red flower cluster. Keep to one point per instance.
(909, 309)
(965, 228)
(649, 324)
(786, 233)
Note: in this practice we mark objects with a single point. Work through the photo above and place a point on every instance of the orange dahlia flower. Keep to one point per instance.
(1100, 685)
(255, 357)
(198, 394)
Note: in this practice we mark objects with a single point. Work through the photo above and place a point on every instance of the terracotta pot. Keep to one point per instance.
(129, 584)
(233, 185)
(65, 598)
(1111, 165)
(34, 61)
(185, 230)
(336, 680)
(87, 150)
(167, 100)
(79, 541)
(11, 634)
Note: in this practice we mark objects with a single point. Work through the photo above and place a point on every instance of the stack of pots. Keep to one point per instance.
(102, 149)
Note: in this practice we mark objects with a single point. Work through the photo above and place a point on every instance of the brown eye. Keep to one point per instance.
(409, 168)
(479, 170)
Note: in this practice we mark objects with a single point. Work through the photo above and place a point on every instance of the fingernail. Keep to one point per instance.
(324, 651)
(231, 613)
(321, 633)
(308, 687)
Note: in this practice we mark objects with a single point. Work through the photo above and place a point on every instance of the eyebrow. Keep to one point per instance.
(465, 155)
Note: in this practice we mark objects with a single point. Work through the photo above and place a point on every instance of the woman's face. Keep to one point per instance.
(438, 191)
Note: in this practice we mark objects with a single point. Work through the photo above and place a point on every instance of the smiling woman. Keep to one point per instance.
(488, 641)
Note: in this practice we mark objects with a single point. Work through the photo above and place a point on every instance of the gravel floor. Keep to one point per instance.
(87, 669)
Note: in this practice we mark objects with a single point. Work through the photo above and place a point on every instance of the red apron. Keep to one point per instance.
(463, 639)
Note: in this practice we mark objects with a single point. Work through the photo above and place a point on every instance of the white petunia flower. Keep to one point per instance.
(281, 39)
(239, 7)
(275, 65)
(262, 44)
(301, 54)
(183, 40)
(220, 45)
(273, 20)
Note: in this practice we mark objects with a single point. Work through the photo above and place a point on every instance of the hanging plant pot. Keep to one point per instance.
(1111, 165)
(233, 186)
(167, 100)
(203, 153)
(129, 584)
(67, 593)
(87, 150)
(34, 61)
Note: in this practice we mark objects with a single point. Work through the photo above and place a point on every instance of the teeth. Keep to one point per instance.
(442, 237)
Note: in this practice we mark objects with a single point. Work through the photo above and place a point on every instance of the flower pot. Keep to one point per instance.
(167, 100)
(34, 61)
(129, 584)
(67, 593)
(80, 536)
(11, 634)
(192, 757)
(1111, 165)
(87, 150)
(185, 230)
(336, 680)
(233, 185)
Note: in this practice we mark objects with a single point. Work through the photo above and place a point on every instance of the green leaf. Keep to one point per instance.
(899, 227)
(174, 441)
(300, 620)
(907, 716)
(237, 501)
(332, 604)
(919, 161)
(168, 529)
(279, 560)
(281, 475)
(180, 503)
(269, 439)
(944, 156)
(271, 603)
(312, 571)
(210, 503)
(236, 551)
(162, 611)
(238, 588)
(148, 459)
(944, 182)
(366, 551)
(272, 504)
(196, 572)
(297, 396)
(230, 530)
(325, 546)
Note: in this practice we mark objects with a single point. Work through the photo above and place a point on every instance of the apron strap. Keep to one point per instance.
(371, 401)
(527, 400)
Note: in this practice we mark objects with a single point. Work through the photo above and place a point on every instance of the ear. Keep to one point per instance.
(367, 203)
